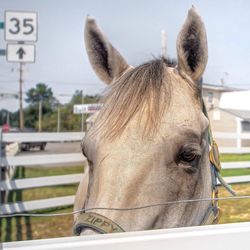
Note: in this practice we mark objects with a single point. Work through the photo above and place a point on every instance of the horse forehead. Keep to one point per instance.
(184, 109)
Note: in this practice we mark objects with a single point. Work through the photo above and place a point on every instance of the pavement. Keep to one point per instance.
(55, 148)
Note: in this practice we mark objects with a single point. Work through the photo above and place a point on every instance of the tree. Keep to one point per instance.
(68, 120)
(40, 94)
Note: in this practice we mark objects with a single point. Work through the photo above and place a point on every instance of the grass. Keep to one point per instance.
(46, 171)
(235, 172)
(235, 210)
(27, 228)
(234, 157)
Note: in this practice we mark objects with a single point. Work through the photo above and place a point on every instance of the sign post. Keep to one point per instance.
(20, 27)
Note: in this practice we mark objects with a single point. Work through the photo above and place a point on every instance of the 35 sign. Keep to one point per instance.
(20, 26)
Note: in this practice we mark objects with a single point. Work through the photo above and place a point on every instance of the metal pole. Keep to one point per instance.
(40, 117)
(163, 44)
(21, 126)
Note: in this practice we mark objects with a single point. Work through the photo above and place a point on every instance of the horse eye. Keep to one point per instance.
(188, 157)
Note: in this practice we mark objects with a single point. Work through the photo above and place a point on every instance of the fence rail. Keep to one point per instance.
(44, 160)
(43, 137)
(235, 164)
(238, 137)
(227, 236)
(38, 182)
(24, 206)
(39, 160)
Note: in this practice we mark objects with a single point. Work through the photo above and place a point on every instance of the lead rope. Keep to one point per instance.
(214, 158)
(213, 212)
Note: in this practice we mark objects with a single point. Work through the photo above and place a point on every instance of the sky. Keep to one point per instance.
(134, 28)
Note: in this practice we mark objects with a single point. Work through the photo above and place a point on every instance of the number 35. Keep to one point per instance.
(27, 25)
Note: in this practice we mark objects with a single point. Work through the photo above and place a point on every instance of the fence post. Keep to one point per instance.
(239, 131)
(1, 163)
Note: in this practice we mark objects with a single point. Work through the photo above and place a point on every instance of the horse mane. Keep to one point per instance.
(146, 86)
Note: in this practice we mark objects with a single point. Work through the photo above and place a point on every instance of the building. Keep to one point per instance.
(229, 112)
(212, 94)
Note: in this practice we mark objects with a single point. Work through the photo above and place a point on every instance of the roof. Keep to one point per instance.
(219, 88)
(243, 114)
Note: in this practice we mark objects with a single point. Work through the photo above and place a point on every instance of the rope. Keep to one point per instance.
(124, 209)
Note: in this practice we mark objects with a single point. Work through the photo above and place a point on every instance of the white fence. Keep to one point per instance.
(68, 159)
(216, 237)
(231, 236)
(238, 137)
(59, 160)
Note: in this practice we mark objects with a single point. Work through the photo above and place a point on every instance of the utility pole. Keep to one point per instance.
(21, 126)
(8, 118)
(163, 44)
(40, 116)
(58, 118)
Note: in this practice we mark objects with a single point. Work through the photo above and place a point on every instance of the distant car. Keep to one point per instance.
(26, 146)
(6, 128)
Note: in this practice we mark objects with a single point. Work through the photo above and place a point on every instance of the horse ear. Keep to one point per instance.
(192, 46)
(104, 58)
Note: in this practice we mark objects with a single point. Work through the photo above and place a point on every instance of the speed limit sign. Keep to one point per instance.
(20, 26)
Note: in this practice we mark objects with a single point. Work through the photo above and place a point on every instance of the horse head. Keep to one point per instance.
(149, 143)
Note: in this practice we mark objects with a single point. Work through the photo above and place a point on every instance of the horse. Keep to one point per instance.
(150, 142)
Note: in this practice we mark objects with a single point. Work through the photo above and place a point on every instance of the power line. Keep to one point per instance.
(126, 209)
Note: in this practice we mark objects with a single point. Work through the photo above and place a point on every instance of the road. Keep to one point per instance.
(55, 148)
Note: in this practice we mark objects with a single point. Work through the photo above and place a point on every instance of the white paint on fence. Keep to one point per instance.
(44, 160)
(217, 237)
(43, 137)
(53, 202)
(24, 206)
(234, 150)
(237, 179)
(239, 164)
(226, 135)
(38, 182)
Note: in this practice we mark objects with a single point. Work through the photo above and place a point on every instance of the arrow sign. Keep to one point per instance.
(20, 53)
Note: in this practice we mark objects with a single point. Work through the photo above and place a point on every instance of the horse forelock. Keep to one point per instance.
(146, 87)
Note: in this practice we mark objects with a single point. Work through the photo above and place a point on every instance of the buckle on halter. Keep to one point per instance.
(214, 156)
